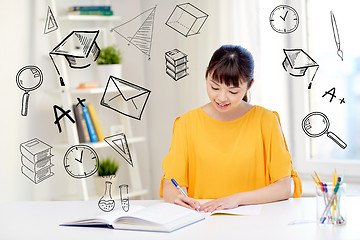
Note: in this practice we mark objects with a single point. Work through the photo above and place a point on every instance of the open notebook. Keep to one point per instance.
(248, 210)
(160, 217)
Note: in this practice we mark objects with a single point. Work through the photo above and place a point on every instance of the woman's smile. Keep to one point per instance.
(222, 105)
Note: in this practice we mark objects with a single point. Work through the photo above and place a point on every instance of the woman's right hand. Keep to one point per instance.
(172, 195)
(186, 202)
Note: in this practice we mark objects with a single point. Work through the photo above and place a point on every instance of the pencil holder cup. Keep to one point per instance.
(331, 205)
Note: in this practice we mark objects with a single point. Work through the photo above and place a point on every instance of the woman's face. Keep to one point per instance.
(225, 98)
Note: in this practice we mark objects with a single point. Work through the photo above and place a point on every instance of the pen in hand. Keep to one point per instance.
(181, 191)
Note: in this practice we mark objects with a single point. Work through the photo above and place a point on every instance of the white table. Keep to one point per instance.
(40, 220)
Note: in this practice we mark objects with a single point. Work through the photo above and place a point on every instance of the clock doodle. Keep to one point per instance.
(81, 161)
(284, 19)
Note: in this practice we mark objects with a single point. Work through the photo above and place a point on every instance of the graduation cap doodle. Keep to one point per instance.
(297, 62)
(79, 49)
(119, 92)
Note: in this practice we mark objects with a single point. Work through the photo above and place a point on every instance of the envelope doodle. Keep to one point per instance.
(125, 97)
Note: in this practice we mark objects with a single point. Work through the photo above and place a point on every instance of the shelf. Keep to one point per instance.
(103, 144)
(99, 90)
(88, 18)
(70, 91)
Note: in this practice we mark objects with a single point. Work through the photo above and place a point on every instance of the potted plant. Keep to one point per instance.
(109, 63)
(106, 172)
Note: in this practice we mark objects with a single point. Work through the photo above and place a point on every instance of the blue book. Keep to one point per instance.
(77, 8)
(89, 124)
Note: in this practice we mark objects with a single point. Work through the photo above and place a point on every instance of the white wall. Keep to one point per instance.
(229, 22)
(16, 46)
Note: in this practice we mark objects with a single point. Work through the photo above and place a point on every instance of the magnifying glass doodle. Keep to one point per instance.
(28, 79)
(316, 124)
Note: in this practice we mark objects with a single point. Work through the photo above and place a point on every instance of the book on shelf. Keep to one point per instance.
(87, 85)
(95, 120)
(160, 217)
(89, 124)
(90, 7)
(81, 126)
(92, 12)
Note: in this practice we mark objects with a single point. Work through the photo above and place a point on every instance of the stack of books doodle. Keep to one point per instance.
(176, 64)
(91, 10)
(36, 160)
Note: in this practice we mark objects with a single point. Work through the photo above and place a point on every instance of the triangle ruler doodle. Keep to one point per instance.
(50, 24)
(138, 34)
(119, 144)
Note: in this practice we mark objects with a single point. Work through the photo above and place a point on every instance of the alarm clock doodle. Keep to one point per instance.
(81, 161)
(284, 19)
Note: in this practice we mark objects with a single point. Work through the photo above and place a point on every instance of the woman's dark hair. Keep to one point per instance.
(230, 64)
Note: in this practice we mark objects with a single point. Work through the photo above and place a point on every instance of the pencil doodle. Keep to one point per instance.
(176, 64)
(284, 19)
(131, 96)
(331, 92)
(81, 161)
(316, 124)
(119, 144)
(79, 49)
(139, 36)
(124, 196)
(187, 19)
(36, 160)
(106, 202)
(336, 35)
(28, 79)
(50, 24)
(58, 118)
(297, 63)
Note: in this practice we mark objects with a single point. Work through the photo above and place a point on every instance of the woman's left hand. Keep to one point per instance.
(220, 203)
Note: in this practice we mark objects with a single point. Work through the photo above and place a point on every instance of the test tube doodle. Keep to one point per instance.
(124, 196)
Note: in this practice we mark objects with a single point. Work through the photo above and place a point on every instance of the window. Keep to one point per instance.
(335, 91)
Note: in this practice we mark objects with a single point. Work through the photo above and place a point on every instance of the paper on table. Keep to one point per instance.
(249, 210)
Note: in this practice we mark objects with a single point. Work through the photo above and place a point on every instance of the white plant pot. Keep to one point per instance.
(105, 70)
(100, 185)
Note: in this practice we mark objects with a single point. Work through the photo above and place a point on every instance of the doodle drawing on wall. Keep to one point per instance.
(28, 79)
(79, 49)
(106, 202)
(316, 124)
(131, 96)
(176, 64)
(36, 160)
(139, 36)
(187, 19)
(284, 19)
(297, 63)
(63, 114)
(81, 161)
(336, 35)
(119, 144)
(50, 24)
(124, 196)
(331, 92)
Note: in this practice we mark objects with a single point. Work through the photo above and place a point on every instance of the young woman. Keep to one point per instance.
(228, 150)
